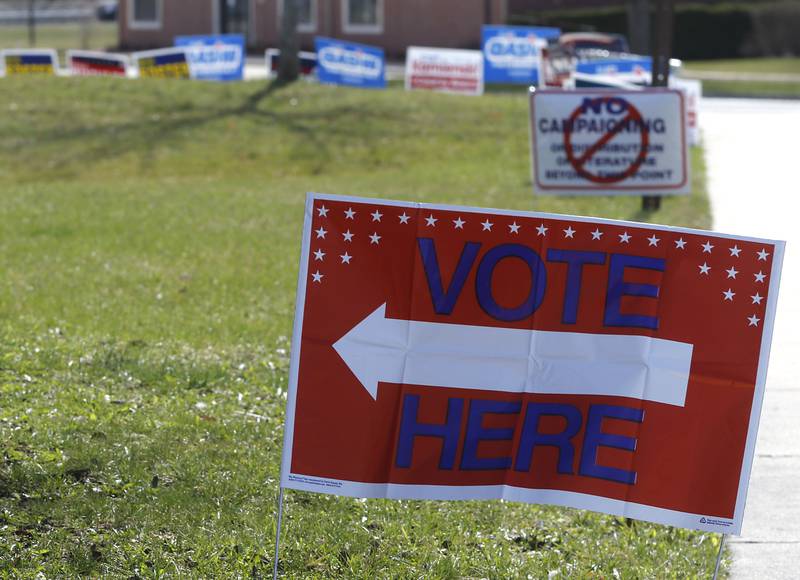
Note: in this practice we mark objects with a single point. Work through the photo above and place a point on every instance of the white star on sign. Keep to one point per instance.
(404, 218)
(757, 298)
(323, 211)
(346, 258)
(762, 255)
(321, 232)
(597, 234)
(513, 228)
(374, 238)
(653, 241)
(754, 320)
(541, 230)
(459, 223)
(707, 247)
(732, 272)
(319, 255)
(704, 268)
(569, 232)
(348, 237)
(734, 251)
(349, 213)
(760, 276)
(729, 294)
(680, 244)
(376, 216)
(431, 220)
(487, 225)
(317, 276)
(624, 238)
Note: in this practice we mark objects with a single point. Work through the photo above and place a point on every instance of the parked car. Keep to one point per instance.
(107, 10)
(580, 43)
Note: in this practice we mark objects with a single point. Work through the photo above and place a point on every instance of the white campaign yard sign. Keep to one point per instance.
(609, 142)
(444, 70)
(692, 93)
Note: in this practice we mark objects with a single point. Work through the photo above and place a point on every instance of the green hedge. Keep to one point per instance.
(701, 31)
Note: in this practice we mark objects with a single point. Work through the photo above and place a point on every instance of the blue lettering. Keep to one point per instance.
(596, 105)
(483, 281)
(409, 429)
(444, 302)
(477, 433)
(616, 105)
(531, 438)
(572, 292)
(617, 288)
(595, 438)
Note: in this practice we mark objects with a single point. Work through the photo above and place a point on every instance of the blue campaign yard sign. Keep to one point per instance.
(511, 53)
(214, 58)
(350, 64)
(616, 66)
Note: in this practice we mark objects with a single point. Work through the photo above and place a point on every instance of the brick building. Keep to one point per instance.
(391, 24)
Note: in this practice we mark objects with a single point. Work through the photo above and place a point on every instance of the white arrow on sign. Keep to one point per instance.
(380, 349)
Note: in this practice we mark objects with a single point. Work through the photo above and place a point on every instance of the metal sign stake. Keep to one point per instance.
(278, 534)
(662, 50)
(719, 555)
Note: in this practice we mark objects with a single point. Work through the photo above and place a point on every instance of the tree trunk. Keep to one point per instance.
(662, 51)
(86, 23)
(289, 63)
(639, 26)
(31, 23)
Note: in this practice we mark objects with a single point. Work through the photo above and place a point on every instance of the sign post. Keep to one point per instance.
(278, 533)
(660, 77)
(171, 63)
(444, 70)
(719, 555)
(511, 53)
(93, 63)
(444, 352)
(350, 64)
(216, 57)
(608, 142)
(28, 61)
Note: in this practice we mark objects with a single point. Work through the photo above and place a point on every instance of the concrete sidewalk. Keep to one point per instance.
(753, 162)
(718, 75)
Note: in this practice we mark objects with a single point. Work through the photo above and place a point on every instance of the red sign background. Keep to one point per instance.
(688, 459)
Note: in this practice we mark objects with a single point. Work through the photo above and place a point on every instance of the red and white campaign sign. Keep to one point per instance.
(93, 63)
(604, 142)
(692, 90)
(444, 70)
(461, 353)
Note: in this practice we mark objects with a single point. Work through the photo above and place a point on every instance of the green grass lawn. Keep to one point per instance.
(755, 65)
(149, 250)
(752, 87)
(98, 36)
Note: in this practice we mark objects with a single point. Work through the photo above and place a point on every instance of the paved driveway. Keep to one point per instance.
(753, 161)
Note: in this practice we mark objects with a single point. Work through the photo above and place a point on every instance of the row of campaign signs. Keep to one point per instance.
(509, 55)
(633, 141)
(215, 58)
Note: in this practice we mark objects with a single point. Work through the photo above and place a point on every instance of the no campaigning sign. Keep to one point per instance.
(600, 142)
(460, 353)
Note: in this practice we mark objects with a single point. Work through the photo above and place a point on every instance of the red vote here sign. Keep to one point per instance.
(461, 353)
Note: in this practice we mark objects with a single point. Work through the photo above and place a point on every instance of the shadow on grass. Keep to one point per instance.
(82, 144)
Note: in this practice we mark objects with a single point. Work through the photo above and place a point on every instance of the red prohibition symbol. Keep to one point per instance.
(615, 106)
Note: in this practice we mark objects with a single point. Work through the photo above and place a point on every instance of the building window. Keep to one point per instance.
(362, 16)
(144, 14)
(306, 15)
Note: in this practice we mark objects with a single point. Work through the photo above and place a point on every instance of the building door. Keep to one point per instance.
(234, 16)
